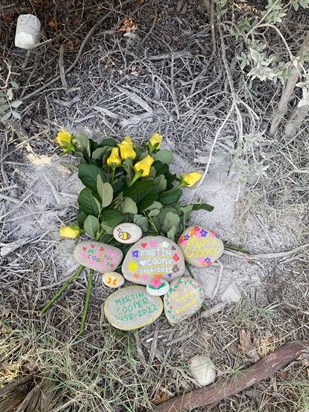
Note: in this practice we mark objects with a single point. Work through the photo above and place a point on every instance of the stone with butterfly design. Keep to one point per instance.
(113, 280)
(153, 257)
(127, 233)
(98, 256)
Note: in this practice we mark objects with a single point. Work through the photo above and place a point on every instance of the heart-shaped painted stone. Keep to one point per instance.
(184, 298)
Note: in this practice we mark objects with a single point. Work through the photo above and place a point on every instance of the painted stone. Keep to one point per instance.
(202, 370)
(153, 257)
(132, 308)
(113, 280)
(201, 247)
(127, 233)
(184, 298)
(157, 287)
(98, 256)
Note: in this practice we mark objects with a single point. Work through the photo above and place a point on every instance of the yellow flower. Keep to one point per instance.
(70, 231)
(190, 179)
(154, 143)
(143, 166)
(126, 149)
(114, 159)
(64, 138)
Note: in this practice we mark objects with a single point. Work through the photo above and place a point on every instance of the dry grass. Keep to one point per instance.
(137, 85)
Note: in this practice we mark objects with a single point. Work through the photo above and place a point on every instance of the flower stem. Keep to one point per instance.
(89, 287)
(63, 288)
(135, 177)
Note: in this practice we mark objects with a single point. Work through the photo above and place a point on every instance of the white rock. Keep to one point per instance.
(127, 233)
(157, 287)
(231, 293)
(202, 370)
(27, 31)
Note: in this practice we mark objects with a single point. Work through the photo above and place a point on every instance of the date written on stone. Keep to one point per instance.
(132, 308)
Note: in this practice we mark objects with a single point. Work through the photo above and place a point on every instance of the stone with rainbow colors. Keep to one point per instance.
(201, 247)
(153, 257)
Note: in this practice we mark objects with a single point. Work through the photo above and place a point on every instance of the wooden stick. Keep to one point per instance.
(224, 388)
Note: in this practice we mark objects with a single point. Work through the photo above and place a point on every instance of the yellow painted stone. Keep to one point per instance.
(113, 280)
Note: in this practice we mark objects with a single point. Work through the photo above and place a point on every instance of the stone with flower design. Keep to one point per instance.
(113, 280)
(201, 247)
(131, 308)
(153, 257)
(127, 233)
(184, 298)
(157, 287)
(98, 256)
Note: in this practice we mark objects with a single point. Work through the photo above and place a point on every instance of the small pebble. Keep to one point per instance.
(113, 280)
(127, 233)
(202, 370)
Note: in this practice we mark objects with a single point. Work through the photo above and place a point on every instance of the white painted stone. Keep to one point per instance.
(153, 257)
(184, 298)
(98, 256)
(27, 31)
(202, 370)
(231, 294)
(201, 247)
(131, 308)
(157, 287)
(113, 280)
(127, 233)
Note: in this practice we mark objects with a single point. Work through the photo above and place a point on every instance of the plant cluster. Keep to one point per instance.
(8, 104)
(125, 182)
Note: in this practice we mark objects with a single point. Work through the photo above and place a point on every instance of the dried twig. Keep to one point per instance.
(224, 388)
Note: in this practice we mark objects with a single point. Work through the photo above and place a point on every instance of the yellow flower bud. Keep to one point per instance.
(64, 138)
(190, 179)
(154, 143)
(114, 159)
(70, 231)
(126, 149)
(143, 166)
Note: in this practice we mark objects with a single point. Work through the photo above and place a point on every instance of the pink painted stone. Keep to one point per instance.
(98, 256)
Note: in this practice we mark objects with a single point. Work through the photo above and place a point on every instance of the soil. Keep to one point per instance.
(162, 74)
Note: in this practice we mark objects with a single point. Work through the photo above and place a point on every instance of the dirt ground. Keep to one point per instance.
(136, 68)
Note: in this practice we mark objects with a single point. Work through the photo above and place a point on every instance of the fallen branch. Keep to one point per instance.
(224, 388)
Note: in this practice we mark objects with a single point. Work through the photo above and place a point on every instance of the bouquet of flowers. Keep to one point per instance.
(124, 182)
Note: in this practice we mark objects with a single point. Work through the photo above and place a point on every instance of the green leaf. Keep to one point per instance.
(80, 217)
(88, 203)
(154, 212)
(91, 226)
(138, 188)
(171, 233)
(161, 182)
(164, 156)
(6, 116)
(105, 192)
(128, 206)
(108, 143)
(16, 115)
(111, 218)
(82, 142)
(186, 209)
(128, 168)
(88, 175)
(142, 222)
(170, 198)
(154, 205)
(202, 206)
(148, 199)
(171, 220)
(16, 103)
(99, 152)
